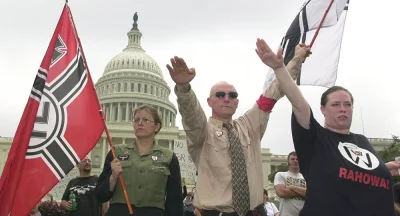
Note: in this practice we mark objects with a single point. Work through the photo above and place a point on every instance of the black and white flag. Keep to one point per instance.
(320, 69)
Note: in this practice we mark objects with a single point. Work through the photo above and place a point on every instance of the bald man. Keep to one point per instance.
(226, 152)
(83, 188)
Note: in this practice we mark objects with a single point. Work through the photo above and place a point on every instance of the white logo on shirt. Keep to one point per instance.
(82, 189)
(358, 156)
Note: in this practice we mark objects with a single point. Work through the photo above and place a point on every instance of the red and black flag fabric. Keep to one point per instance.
(60, 124)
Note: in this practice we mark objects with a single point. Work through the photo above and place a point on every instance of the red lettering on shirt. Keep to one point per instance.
(359, 177)
(342, 172)
(367, 178)
(364, 178)
(350, 175)
(375, 180)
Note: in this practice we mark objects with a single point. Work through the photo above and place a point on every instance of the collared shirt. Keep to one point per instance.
(208, 147)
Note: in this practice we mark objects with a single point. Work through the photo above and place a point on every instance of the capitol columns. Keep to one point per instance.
(127, 112)
(169, 118)
(119, 112)
(111, 113)
(170, 144)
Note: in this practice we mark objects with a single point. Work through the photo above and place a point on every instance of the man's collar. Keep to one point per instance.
(217, 123)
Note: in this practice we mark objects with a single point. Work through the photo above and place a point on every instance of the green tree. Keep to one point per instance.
(390, 153)
(283, 167)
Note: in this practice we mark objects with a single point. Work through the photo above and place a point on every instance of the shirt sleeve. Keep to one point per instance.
(279, 179)
(66, 192)
(274, 209)
(304, 141)
(173, 203)
(102, 190)
(194, 121)
(184, 192)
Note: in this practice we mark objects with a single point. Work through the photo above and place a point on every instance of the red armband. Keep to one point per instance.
(265, 104)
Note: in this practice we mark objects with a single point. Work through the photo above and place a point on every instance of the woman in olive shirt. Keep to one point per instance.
(151, 173)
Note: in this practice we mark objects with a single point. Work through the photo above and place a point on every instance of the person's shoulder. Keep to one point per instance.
(281, 174)
(396, 186)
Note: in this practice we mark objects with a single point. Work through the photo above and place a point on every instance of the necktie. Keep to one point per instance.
(240, 185)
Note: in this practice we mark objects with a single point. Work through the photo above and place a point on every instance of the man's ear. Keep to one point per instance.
(209, 102)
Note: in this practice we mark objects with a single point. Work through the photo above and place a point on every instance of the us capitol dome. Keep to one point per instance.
(130, 79)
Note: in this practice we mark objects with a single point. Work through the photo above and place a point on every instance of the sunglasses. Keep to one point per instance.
(221, 94)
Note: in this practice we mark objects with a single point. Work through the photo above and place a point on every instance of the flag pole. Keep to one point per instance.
(320, 24)
(128, 203)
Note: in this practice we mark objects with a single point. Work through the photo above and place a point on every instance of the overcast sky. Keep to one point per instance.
(218, 39)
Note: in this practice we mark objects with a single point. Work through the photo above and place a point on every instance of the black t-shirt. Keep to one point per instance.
(83, 188)
(344, 174)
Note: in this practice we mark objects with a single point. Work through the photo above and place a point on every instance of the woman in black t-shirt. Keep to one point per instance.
(344, 174)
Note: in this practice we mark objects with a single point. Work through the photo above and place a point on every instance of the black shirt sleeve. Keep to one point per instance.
(304, 141)
(184, 192)
(102, 190)
(174, 204)
(396, 192)
(66, 192)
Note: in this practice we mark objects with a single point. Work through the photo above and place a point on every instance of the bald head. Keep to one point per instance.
(221, 85)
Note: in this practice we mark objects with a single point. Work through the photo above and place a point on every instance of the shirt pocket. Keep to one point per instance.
(157, 179)
(245, 140)
(217, 151)
(248, 150)
(127, 170)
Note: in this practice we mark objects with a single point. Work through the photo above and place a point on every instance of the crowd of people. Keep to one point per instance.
(331, 172)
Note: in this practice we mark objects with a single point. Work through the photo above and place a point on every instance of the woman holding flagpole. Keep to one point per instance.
(344, 174)
(151, 173)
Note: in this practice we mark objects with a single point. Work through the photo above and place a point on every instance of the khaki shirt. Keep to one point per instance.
(209, 149)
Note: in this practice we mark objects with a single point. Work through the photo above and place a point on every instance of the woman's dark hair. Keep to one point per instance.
(154, 113)
(266, 192)
(324, 97)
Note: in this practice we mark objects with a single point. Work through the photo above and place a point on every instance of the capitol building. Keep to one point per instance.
(133, 78)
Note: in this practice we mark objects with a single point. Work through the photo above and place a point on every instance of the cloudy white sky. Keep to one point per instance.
(218, 39)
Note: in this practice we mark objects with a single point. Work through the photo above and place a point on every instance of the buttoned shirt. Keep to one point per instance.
(208, 146)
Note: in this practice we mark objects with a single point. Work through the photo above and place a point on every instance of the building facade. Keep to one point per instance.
(133, 78)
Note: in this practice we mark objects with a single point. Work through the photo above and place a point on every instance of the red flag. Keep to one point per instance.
(61, 123)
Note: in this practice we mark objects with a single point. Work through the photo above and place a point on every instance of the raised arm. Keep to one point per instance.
(258, 116)
(300, 106)
(194, 120)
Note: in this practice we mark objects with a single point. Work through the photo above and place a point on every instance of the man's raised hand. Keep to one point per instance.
(267, 56)
(179, 71)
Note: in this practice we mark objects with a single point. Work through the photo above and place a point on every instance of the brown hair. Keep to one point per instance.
(265, 192)
(154, 113)
(324, 97)
(291, 153)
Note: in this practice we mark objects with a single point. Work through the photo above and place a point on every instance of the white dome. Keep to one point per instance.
(133, 59)
(133, 56)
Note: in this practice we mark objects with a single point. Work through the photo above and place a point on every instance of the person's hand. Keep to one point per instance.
(68, 205)
(267, 56)
(116, 168)
(290, 187)
(394, 167)
(302, 51)
(180, 73)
